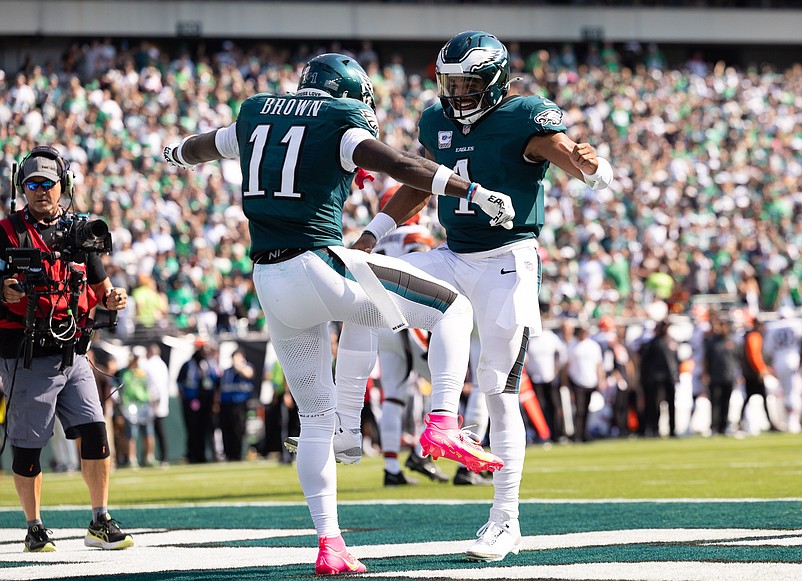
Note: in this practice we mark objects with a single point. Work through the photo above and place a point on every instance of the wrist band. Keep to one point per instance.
(178, 152)
(471, 191)
(603, 176)
(381, 225)
(440, 180)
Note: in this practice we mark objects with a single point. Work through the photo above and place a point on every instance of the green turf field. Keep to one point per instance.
(692, 509)
(769, 466)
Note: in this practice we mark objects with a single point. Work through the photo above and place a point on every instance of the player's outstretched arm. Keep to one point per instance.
(426, 176)
(578, 159)
(209, 146)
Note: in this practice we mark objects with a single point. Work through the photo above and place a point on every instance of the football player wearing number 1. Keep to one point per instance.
(299, 155)
(507, 142)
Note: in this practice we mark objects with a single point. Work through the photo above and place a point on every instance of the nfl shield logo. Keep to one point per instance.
(444, 139)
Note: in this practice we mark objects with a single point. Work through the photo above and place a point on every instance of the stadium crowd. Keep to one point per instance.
(706, 199)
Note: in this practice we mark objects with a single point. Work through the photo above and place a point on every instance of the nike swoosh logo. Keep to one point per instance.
(507, 271)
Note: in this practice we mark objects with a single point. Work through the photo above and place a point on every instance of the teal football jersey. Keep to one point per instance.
(293, 186)
(492, 153)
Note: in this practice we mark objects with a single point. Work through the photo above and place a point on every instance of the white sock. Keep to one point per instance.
(317, 472)
(449, 347)
(508, 442)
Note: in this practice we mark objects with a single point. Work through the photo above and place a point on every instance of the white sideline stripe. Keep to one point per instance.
(159, 550)
(447, 502)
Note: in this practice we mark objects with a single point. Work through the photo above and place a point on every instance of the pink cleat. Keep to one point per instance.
(333, 558)
(444, 438)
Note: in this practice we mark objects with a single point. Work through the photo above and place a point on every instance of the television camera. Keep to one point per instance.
(75, 237)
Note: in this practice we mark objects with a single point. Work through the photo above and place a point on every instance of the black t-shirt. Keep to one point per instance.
(11, 339)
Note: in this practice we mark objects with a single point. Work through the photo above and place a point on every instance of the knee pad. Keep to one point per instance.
(94, 442)
(26, 461)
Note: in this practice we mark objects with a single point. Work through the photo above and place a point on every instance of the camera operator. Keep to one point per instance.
(58, 378)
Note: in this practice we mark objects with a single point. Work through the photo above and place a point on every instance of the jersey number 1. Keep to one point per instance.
(461, 169)
(292, 139)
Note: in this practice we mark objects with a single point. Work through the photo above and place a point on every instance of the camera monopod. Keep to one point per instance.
(13, 205)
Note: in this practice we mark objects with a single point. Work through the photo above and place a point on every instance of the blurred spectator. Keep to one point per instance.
(236, 389)
(620, 394)
(583, 374)
(151, 305)
(137, 409)
(196, 384)
(755, 369)
(721, 371)
(158, 380)
(659, 374)
(783, 344)
(545, 358)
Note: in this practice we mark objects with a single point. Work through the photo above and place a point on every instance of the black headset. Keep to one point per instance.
(65, 175)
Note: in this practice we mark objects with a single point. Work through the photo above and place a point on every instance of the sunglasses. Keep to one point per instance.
(46, 185)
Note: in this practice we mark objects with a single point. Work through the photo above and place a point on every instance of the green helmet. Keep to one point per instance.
(338, 75)
(473, 75)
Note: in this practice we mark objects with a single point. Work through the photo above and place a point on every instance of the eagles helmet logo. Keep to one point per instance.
(479, 58)
(550, 117)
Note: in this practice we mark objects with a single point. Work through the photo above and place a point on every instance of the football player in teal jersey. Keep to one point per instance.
(506, 142)
(299, 155)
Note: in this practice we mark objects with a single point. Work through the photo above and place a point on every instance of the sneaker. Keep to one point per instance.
(38, 540)
(499, 537)
(331, 562)
(106, 534)
(426, 467)
(347, 444)
(399, 479)
(467, 478)
(444, 438)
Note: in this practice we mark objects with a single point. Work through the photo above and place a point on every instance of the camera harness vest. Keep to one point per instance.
(21, 230)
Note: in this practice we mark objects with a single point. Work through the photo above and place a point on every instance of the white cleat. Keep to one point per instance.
(347, 443)
(499, 537)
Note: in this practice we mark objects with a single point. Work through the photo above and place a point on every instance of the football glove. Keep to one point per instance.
(496, 205)
(174, 158)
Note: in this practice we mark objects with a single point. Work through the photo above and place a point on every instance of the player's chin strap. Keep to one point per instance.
(355, 261)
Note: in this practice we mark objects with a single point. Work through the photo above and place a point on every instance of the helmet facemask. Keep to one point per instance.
(473, 75)
(468, 96)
